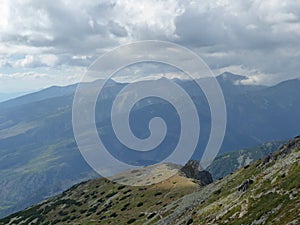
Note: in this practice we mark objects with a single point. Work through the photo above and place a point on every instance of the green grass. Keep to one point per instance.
(272, 198)
(103, 202)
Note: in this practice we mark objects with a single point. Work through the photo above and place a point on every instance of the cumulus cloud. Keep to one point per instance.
(28, 61)
(260, 36)
(33, 80)
(256, 38)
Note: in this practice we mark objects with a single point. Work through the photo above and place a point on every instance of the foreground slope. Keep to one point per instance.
(102, 201)
(264, 192)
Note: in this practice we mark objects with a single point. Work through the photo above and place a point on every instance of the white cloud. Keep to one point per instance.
(4, 14)
(35, 80)
(47, 60)
(148, 17)
(261, 37)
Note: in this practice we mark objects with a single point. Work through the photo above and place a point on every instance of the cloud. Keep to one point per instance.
(116, 29)
(33, 80)
(261, 37)
(32, 61)
(86, 27)
(61, 25)
(148, 71)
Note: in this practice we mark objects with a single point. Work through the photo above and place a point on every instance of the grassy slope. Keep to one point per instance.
(273, 198)
(103, 202)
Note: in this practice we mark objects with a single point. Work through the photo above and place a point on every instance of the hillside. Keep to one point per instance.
(105, 202)
(265, 192)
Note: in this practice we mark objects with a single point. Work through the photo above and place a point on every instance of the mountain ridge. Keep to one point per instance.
(57, 91)
(37, 145)
(258, 194)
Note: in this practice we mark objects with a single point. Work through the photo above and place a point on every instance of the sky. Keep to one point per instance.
(45, 43)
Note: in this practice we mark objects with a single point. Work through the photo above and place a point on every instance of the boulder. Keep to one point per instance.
(193, 170)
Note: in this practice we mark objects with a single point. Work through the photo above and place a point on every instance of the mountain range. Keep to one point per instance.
(39, 157)
(7, 96)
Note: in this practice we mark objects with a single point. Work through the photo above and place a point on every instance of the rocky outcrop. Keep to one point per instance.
(193, 170)
(244, 186)
(283, 151)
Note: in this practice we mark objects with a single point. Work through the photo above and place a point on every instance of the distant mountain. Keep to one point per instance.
(260, 114)
(229, 162)
(48, 93)
(39, 156)
(265, 192)
(7, 96)
(233, 84)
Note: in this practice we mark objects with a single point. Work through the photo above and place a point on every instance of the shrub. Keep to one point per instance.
(121, 187)
(111, 194)
(151, 215)
(140, 204)
(114, 215)
(131, 221)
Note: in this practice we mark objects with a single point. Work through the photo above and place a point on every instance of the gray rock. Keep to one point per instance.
(243, 187)
(193, 170)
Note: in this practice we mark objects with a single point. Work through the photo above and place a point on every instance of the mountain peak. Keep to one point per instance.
(230, 77)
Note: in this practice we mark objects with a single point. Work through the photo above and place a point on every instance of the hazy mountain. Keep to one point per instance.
(232, 84)
(7, 96)
(265, 192)
(37, 147)
(229, 162)
(51, 92)
(261, 115)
